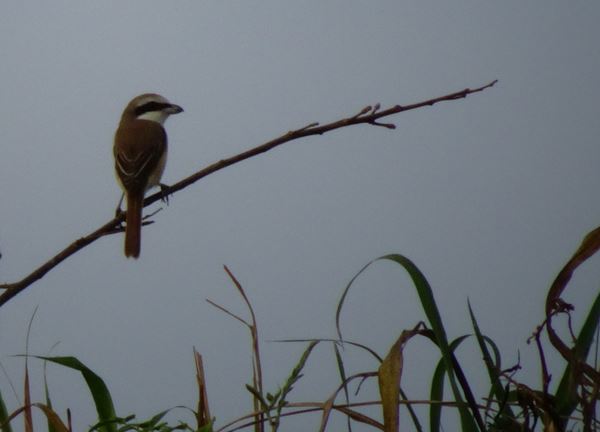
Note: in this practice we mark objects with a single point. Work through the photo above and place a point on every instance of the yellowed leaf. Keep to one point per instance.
(390, 374)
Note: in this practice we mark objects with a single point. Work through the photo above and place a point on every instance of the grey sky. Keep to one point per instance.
(489, 195)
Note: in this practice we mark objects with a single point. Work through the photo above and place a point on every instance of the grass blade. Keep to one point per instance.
(51, 427)
(343, 299)
(4, 423)
(279, 400)
(297, 371)
(53, 419)
(436, 394)
(437, 388)
(566, 396)
(203, 417)
(390, 375)
(493, 369)
(435, 321)
(99, 391)
(342, 372)
(27, 417)
(468, 420)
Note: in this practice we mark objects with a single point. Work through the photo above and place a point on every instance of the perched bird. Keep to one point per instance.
(140, 152)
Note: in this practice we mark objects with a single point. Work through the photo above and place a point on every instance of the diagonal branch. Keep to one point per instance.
(368, 115)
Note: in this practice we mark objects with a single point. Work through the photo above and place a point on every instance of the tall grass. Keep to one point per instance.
(507, 405)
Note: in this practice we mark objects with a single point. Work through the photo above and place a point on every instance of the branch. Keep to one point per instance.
(368, 115)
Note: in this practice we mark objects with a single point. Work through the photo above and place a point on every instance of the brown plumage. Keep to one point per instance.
(140, 152)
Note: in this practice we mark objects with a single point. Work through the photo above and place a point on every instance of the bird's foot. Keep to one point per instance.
(164, 193)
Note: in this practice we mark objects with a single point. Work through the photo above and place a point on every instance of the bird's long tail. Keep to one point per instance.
(133, 230)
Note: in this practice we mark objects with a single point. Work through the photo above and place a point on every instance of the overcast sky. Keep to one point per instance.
(489, 196)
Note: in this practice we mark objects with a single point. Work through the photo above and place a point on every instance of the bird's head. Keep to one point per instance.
(150, 106)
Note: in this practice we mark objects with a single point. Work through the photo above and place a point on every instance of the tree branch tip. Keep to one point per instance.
(363, 111)
(467, 91)
(488, 85)
(385, 125)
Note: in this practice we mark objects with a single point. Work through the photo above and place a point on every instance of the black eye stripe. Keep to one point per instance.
(150, 107)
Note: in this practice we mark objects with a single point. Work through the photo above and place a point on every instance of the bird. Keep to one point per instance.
(140, 153)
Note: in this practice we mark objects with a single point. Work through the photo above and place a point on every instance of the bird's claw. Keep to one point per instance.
(164, 193)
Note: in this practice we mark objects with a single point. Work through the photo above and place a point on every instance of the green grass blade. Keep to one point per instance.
(153, 422)
(437, 388)
(436, 394)
(297, 371)
(4, 416)
(470, 421)
(336, 341)
(566, 398)
(493, 368)
(51, 427)
(50, 424)
(435, 321)
(99, 391)
(342, 371)
(343, 299)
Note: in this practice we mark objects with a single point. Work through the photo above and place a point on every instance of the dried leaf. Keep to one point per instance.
(390, 374)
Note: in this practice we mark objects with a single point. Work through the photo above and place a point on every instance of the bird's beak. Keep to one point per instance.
(174, 109)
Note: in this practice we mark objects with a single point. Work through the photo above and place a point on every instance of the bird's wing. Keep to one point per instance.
(138, 149)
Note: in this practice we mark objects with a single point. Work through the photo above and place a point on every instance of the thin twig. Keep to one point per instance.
(369, 115)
